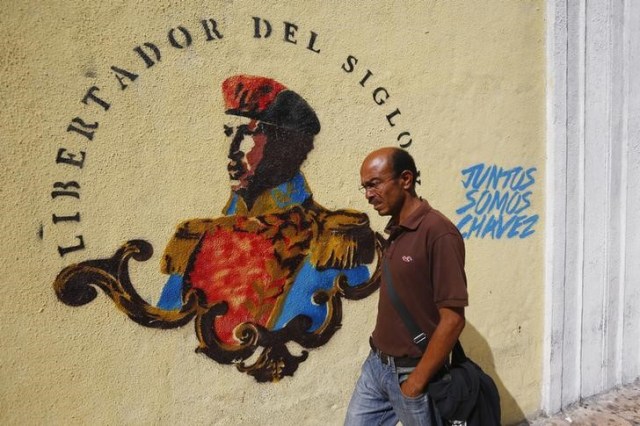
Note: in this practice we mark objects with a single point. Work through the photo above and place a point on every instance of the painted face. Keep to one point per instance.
(246, 150)
(381, 187)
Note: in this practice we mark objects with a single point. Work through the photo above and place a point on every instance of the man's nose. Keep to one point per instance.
(234, 148)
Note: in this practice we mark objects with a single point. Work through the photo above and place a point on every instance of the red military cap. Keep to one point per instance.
(267, 100)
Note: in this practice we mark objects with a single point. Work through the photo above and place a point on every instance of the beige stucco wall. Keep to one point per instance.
(468, 78)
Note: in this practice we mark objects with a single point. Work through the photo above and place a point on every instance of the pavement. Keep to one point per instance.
(617, 407)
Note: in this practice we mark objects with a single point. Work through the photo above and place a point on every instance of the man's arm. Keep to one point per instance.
(440, 345)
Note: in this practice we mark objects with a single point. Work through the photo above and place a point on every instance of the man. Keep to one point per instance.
(425, 255)
(273, 260)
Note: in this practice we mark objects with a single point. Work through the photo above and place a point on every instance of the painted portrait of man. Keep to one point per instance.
(271, 269)
(275, 255)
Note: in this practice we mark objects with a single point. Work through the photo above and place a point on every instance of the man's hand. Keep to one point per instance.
(440, 344)
(409, 389)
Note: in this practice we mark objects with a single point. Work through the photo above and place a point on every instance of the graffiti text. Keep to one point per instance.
(497, 202)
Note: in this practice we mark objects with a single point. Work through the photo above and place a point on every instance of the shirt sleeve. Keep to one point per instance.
(448, 276)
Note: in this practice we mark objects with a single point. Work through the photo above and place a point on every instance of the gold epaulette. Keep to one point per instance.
(343, 239)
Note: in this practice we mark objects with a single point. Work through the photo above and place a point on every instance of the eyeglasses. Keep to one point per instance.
(373, 185)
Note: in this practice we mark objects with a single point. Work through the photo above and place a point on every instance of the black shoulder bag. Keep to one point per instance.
(464, 392)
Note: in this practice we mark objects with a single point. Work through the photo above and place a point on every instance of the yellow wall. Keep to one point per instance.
(467, 78)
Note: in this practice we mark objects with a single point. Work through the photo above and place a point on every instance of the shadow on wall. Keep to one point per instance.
(477, 348)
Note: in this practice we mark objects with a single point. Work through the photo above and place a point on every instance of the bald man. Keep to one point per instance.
(425, 257)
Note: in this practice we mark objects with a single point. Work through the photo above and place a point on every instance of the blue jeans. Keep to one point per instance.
(377, 399)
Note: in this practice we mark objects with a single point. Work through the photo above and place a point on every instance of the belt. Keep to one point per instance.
(398, 361)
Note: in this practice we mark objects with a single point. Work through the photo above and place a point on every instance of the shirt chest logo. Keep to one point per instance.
(407, 259)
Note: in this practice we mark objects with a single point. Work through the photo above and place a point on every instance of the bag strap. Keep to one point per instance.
(457, 354)
(418, 336)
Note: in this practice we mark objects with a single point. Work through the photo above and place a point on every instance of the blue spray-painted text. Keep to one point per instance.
(498, 202)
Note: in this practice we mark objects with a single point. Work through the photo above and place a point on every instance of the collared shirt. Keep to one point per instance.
(425, 254)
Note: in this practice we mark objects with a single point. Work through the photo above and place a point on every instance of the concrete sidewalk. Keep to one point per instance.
(620, 406)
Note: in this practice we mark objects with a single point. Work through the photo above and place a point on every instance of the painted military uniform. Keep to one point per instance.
(267, 263)
(272, 269)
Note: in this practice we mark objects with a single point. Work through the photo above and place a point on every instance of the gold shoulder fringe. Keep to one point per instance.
(343, 239)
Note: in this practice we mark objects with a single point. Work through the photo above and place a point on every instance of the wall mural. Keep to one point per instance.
(272, 269)
(498, 201)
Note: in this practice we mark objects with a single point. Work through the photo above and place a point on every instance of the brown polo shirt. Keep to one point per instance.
(425, 255)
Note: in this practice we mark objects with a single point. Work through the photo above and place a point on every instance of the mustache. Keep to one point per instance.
(234, 165)
(236, 169)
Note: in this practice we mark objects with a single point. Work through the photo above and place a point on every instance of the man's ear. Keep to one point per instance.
(407, 179)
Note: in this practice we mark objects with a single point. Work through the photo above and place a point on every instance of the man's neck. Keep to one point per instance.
(410, 205)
